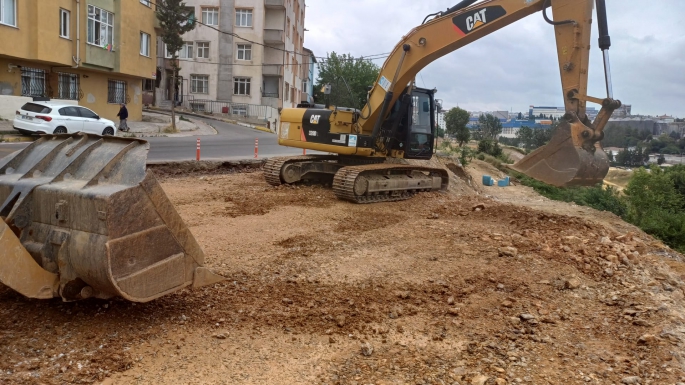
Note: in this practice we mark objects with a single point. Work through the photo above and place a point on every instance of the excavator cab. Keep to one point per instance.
(411, 124)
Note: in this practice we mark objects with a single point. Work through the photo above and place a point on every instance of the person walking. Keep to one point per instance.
(123, 115)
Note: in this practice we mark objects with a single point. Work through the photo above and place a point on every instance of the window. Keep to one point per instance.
(33, 82)
(69, 111)
(64, 23)
(200, 107)
(243, 18)
(8, 12)
(148, 85)
(239, 109)
(145, 2)
(100, 27)
(145, 44)
(210, 16)
(203, 49)
(286, 94)
(241, 86)
(67, 86)
(116, 91)
(199, 84)
(167, 54)
(37, 108)
(244, 52)
(187, 50)
(86, 113)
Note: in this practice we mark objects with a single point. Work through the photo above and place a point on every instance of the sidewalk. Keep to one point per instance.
(10, 135)
(154, 125)
(212, 117)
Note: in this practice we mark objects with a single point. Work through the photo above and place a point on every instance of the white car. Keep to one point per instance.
(54, 118)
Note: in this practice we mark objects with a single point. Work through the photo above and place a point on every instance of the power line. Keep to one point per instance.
(250, 65)
(265, 45)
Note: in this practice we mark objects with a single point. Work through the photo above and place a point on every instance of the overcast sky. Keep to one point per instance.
(517, 66)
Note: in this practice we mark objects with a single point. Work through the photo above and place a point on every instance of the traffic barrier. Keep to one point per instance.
(256, 148)
(197, 155)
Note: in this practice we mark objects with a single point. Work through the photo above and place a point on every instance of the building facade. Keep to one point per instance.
(259, 61)
(94, 53)
(308, 86)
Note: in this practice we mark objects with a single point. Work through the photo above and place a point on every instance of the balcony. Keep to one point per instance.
(274, 4)
(272, 70)
(274, 36)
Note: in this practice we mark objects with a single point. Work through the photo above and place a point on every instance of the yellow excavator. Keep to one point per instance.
(398, 120)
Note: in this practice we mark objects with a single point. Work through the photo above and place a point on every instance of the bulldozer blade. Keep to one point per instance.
(567, 160)
(86, 211)
(20, 272)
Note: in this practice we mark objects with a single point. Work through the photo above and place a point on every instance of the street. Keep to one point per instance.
(232, 142)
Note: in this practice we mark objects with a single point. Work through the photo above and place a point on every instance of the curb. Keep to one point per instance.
(210, 117)
(17, 139)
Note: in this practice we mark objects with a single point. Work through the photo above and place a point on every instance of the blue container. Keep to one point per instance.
(488, 181)
(503, 182)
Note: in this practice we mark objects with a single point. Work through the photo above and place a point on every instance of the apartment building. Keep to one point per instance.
(308, 77)
(261, 64)
(94, 53)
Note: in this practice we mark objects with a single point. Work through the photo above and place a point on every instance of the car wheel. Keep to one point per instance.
(60, 130)
(108, 131)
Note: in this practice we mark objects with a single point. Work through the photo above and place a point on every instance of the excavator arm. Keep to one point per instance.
(574, 155)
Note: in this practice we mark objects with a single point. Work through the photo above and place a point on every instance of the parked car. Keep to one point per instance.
(53, 118)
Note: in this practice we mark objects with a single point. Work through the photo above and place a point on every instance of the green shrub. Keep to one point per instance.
(481, 156)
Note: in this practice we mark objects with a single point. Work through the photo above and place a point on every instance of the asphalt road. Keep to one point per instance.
(231, 143)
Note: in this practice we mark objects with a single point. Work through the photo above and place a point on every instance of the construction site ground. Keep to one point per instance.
(476, 285)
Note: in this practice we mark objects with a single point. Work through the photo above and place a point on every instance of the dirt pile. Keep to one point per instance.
(440, 289)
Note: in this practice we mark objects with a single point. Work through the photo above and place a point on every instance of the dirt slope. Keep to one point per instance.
(498, 286)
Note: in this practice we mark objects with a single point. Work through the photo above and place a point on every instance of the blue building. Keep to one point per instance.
(308, 82)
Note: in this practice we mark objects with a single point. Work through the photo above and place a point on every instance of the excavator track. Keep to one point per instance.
(273, 166)
(346, 183)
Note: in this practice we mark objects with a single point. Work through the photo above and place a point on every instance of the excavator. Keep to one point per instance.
(83, 218)
(366, 147)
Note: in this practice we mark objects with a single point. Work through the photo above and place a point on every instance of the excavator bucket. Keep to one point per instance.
(568, 159)
(81, 217)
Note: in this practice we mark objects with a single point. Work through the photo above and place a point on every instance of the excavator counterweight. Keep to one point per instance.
(81, 218)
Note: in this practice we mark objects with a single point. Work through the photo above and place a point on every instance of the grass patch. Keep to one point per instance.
(170, 130)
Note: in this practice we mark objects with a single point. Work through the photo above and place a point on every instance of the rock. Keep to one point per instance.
(612, 258)
(500, 381)
(367, 349)
(633, 380)
(647, 339)
(572, 283)
(479, 380)
(331, 340)
(507, 304)
(287, 301)
(450, 301)
(340, 321)
(508, 251)
(566, 249)
(608, 272)
(453, 311)
(478, 207)
(220, 336)
(526, 317)
(605, 241)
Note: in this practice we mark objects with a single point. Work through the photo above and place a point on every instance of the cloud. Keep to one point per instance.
(517, 66)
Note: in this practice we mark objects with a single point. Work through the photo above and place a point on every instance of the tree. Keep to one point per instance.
(525, 137)
(674, 135)
(456, 120)
(489, 126)
(661, 160)
(520, 116)
(341, 71)
(175, 20)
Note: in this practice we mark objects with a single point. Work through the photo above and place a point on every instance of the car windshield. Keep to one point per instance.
(33, 107)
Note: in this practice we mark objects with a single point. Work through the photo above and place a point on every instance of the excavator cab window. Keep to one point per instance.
(419, 140)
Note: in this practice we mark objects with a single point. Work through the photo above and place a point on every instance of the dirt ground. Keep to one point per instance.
(474, 286)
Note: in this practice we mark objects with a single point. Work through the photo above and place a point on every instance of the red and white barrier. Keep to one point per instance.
(256, 148)
(198, 150)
